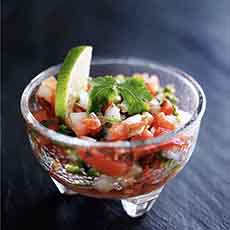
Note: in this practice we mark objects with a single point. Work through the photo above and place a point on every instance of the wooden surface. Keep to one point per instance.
(192, 35)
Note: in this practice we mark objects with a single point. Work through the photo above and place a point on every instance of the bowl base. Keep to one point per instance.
(133, 206)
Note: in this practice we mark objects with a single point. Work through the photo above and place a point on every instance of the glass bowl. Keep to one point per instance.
(138, 189)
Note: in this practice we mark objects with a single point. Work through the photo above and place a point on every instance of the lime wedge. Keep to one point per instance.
(72, 78)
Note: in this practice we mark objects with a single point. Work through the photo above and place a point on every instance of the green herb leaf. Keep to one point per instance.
(104, 90)
(132, 90)
(135, 95)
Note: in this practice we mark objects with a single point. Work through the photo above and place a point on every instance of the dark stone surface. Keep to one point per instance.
(193, 35)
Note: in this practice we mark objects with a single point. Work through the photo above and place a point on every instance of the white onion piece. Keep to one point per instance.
(113, 111)
(137, 131)
(171, 119)
(51, 82)
(76, 118)
(154, 80)
(104, 183)
(146, 116)
(173, 155)
(45, 92)
(135, 171)
(123, 107)
(133, 119)
(154, 106)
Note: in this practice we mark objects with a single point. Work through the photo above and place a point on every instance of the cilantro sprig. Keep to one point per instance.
(104, 90)
(132, 90)
(135, 95)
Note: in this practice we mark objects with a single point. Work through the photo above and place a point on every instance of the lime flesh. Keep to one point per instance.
(72, 78)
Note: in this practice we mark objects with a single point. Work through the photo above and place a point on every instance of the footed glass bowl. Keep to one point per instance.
(139, 189)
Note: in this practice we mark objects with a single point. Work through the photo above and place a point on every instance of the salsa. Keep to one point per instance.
(101, 114)
(108, 109)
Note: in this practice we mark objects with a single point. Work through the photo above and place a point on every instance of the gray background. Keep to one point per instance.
(192, 35)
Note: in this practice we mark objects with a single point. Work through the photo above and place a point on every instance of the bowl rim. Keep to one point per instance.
(77, 142)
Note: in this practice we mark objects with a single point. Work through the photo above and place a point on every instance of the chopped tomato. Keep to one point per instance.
(152, 84)
(151, 174)
(136, 128)
(146, 134)
(103, 163)
(175, 142)
(53, 124)
(140, 152)
(47, 90)
(118, 132)
(152, 88)
(87, 87)
(160, 120)
(84, 125)
(92, 123)
(41, 115)
(46, 106)
(167, 107)
(42, 140)
(160, 131)
(157, 164)
(143, 151)
(80, 130)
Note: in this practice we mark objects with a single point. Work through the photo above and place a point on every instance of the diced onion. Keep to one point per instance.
(104, 183)
(133, 119)
(154, 106)
(113, 111)
(76, 118)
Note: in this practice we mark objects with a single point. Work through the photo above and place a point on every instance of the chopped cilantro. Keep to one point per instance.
(172, 98)
(169, 93)
(135, 95)
(103, 91)
(169, 89)
(175, 112)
